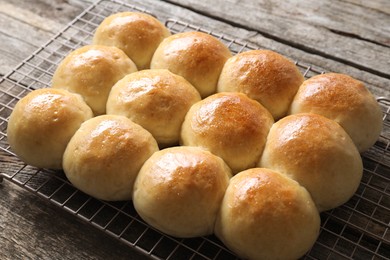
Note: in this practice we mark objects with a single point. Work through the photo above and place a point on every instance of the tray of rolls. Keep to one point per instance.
(188, 144)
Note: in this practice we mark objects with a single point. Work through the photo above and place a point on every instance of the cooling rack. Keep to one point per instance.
(358, 229)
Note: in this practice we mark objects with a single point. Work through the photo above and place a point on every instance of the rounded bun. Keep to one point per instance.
(231, 126)
(345, 100)
(137, 34)
(197, 56)
(179, 191)
(316, 152)
(263, 75)
(266, 215)
(105, 155)
(42, 123)
(158, 100)
(91, 71)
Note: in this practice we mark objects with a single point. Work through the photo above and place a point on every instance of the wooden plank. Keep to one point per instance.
(28, 28)
(378, 5)
(18, 39)
(43, 13)
(32, 228)
(338, 30)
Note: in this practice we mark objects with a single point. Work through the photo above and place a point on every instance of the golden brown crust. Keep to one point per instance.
(197, 56)
(42, 124)
(343, 99)
(318, 153)
(137, 34)
(324, 91)
(266, 215)
(230, 125)
(263, 75)
(91, 71)
(158, 100)
(105, 155)
(179, 190)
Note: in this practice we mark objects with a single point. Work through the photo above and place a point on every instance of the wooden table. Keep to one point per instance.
(346, 36)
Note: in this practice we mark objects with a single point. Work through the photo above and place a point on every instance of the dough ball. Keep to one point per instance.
(158, 100)
(179, 191)
(197, 56)
(42, 123)
(266, 215)
(229, 125)
(104, 156)
(137, 34)
(263, 75)
(91, 71)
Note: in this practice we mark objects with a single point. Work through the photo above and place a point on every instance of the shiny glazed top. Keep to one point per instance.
(42, 123)
(179, 190)
(230, 118)
(230, 125)
(157, 99)
(263, 75)
(178, 173)
(332, 91)
(137, 34)
(105, 155)
(197, 56)
(91, 71)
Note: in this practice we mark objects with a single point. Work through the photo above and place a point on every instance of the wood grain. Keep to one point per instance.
(32, 228)
(24, 29)
(338, 30)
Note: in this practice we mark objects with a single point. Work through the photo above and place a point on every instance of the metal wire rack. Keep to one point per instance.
(357, 230)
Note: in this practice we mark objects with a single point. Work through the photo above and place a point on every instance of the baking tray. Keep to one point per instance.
(358, 229)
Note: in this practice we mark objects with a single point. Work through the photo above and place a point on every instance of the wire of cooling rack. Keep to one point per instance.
(357, 230)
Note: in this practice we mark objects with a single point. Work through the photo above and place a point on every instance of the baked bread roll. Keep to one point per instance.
(179, 191)
(316, 152)
(158, 100)
(105, 155)
(137, 34)
(263, 75)
(197, 56)
(345, 100)
(91, 71)
(42, 123)
(266, 215)
(231, 126)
